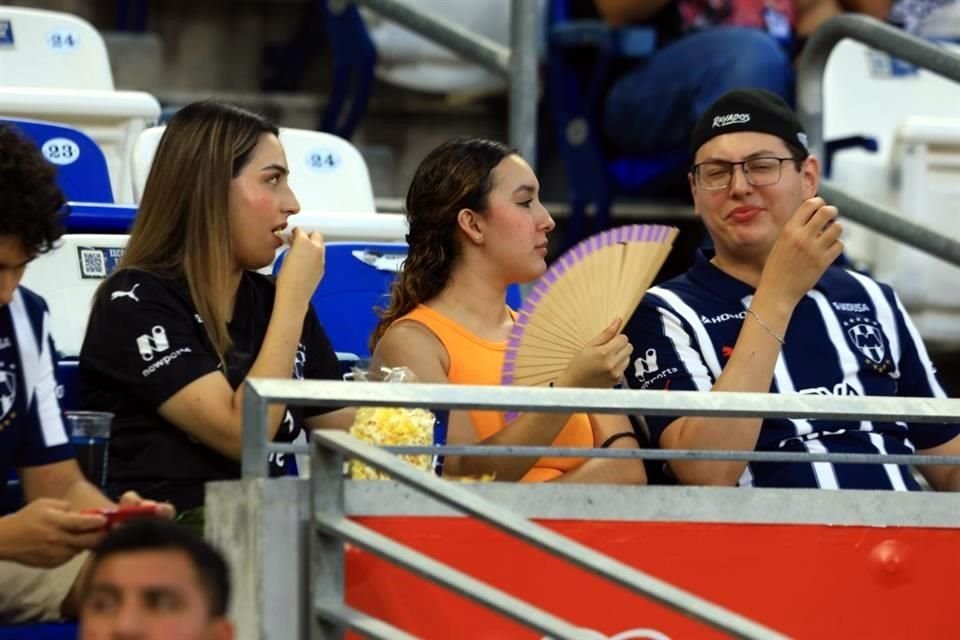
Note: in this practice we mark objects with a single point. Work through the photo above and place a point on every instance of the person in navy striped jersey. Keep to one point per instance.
(768, 310)
(42, 545)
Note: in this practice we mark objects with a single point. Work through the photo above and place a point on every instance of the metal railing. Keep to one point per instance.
(261, 392)
(327, 480)
(518, 62)
(332, 527)
(810, 72)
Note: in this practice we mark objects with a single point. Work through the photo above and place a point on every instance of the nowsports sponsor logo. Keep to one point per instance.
(150, 344)
(646, 364)
(665, 373)
(164, 361)
(729, 119)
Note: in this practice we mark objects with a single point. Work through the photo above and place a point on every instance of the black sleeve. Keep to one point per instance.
(320, 360)
(145, 338)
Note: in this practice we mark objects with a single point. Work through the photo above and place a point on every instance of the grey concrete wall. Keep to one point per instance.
(261, 527)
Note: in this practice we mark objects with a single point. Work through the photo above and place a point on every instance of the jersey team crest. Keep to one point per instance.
(8, 391)
(867, 337)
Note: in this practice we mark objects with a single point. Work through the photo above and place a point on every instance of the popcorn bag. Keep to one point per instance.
(389, 426)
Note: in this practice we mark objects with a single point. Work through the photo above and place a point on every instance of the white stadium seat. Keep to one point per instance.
(327, 173)
(54, 67)
(914, 115)
(328, 176)
(68, 277)
(144, 148)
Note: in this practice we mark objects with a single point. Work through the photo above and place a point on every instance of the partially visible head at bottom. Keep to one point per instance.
(152, 579)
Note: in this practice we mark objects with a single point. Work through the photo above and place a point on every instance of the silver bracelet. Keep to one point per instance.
(764, 325)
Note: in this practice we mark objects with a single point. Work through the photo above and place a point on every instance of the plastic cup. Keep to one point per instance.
(90, 436)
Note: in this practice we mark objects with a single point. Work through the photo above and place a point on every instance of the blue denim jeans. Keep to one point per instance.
(654, 107)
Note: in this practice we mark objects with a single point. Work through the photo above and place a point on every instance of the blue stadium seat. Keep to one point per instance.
(88, 217)
(357, 279)
(68, 370)
(81, 166)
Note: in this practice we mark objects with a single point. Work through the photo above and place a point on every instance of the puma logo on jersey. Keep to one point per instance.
(116, 295)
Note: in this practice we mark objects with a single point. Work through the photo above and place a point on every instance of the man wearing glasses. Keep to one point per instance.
(768, 310)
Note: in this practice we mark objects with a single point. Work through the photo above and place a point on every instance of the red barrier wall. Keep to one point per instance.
(806, 581)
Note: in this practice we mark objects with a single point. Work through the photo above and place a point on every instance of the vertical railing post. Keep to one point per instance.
(523, 78)
(254, 462)
(326, 550)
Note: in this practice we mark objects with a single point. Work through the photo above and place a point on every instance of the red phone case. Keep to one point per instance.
(117, 515)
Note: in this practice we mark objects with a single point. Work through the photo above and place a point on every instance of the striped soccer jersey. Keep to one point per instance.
(849, 335)
(32, 432)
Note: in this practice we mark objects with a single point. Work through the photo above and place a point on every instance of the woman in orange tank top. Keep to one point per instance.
(476, 227)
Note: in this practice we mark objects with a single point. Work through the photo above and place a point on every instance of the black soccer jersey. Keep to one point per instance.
(144, 342)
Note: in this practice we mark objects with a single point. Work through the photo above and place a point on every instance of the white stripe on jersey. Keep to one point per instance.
(921, 350)
(845, 356)
(885, 316)
(850, 367)
(673, 329)
(826, 475)
(892, 470)
(823, 472)
(707, 351)
(38, 377)
(848, 361)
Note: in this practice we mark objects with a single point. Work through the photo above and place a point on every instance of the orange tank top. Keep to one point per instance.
(474, 360)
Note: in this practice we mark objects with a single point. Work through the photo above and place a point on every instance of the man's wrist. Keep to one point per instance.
(775, 309)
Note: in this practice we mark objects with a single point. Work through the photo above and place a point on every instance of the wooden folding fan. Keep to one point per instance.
(602, 278)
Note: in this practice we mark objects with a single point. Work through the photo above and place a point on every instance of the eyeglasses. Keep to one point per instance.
(714, 175)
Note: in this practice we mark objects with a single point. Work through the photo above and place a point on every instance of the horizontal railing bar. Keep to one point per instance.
(360, 622)
(576, 400)
(892, 225)
(455, 580)
(473, 47)
(469, 502)
(653, 454)
(677, 454)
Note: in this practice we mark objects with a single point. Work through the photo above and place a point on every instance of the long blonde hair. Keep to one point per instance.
(182, 227)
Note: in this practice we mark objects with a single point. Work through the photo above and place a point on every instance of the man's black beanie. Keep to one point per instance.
(749, 110)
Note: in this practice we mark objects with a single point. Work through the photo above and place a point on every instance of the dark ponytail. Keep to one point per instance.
(456, 175)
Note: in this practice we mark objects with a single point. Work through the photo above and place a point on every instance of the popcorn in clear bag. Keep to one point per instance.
(395, 427)
(390, 426)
